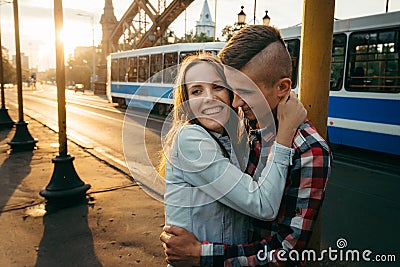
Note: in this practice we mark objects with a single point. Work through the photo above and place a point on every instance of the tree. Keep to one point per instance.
(9, 74)
(229, 30)
(194, 38)
(202, 38)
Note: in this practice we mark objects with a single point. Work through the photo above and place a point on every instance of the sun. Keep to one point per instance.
(75, 34)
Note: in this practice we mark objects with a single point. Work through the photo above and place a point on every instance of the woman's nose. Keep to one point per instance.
(210, 93)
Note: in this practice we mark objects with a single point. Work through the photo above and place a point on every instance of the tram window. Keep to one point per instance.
(376, 53)
(293, 47)
(133, 69)
(337, 65)
(123, 69)
(114, 70)
(214, 52)
(155, 68)
(185, 54)
(170, 69)
(143, 68)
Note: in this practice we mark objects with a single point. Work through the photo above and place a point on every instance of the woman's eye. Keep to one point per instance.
(219, 87)
(242, 92)
(196, 92)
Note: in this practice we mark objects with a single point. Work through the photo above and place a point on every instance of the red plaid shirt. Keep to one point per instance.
(302, 199)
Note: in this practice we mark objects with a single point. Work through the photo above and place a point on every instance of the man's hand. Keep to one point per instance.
(181, 247)
(291, 113)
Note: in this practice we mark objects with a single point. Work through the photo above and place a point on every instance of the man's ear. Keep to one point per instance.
(284, 86)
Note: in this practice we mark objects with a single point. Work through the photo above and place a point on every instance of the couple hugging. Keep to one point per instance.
(245, 171)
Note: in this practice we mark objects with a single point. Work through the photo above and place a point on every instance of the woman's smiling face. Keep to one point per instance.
(209, 99)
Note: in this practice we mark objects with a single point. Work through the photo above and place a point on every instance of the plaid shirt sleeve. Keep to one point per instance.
(292, 229)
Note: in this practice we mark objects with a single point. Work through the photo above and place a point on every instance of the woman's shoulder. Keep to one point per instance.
(192, 131)
(194, 144)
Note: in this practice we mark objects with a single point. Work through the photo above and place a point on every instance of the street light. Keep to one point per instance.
(93, 78)
(266, 19)
(171, 37)
(241, 17)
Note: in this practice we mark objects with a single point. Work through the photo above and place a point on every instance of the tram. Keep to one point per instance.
(364, 99)
(144, 77)
(364, 102)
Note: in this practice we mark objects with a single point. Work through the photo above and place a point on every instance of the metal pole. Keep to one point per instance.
(93, 55)
(60, 79)
(18, 62)
(387, 6)
(3, 102)
(215, 20)
(185, 28)
(93, 75)
(255, 7)
(65, 187)
(22, 140)
(316, 47)
(5, 121)
(317, 32)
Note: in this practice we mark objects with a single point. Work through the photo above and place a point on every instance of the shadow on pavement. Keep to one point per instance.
(67, 239)
(12, 172)
(4, 133)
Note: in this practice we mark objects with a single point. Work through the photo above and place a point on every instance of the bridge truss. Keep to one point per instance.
(144, 25)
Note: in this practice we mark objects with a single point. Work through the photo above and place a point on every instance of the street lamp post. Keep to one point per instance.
(215, 21)
(266, 19)
(65, 187)
(171, 37)
(241, 18)
(255, 7)
(22, 140)
(5, 120)
(93, 77)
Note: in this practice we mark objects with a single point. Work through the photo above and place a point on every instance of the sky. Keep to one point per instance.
(36, 20)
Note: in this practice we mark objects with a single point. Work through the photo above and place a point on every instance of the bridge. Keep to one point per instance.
(142, 25)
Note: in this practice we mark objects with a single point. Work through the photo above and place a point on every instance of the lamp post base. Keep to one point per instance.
(5, 120)
(22, 140)
(65, 187)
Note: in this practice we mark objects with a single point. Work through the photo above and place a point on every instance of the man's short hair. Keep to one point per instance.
(249, 42)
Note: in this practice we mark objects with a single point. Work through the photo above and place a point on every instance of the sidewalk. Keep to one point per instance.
(120, 226)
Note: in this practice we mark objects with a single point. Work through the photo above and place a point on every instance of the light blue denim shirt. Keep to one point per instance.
(198, 176)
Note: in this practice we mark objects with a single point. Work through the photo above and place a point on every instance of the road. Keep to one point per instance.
(98, 126)
(361, 204)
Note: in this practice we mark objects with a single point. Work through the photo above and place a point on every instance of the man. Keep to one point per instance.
(260, 53)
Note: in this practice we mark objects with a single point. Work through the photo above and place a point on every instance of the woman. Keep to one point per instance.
(201, 165)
